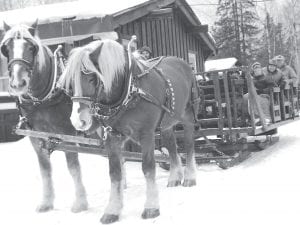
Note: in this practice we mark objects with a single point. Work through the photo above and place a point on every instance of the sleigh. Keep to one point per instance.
(224, 133)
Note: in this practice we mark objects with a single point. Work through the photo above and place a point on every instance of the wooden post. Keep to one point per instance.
(253, 100)
(218, 98)
(227, 100)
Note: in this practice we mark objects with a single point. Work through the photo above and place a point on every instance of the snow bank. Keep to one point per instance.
(265, 189)
(220, 64)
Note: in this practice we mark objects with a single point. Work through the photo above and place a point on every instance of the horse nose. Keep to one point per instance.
(79, 124)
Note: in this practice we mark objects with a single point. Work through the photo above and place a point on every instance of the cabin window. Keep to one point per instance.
(193, 60)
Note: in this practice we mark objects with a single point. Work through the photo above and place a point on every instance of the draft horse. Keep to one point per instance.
(31, 79)
(112, 94)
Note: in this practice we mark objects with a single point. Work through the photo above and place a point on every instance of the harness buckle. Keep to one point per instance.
(106, 130)
(22, 122)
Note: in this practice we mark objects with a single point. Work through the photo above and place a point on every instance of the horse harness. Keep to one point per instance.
(28, 104)
(107, 114)
(29, 65)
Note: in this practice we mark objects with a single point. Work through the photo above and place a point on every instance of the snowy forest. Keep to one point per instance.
(252, 32)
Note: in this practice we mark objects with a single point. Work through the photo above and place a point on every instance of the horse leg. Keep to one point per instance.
(190, 169)
(124, 174)
(176, 174)
(80, 203)
(115, 204)
(46, 174)
(151, 208)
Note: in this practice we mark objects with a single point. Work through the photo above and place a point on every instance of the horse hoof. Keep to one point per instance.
(174, 183)
(150, 213)
(189, 183)
(79, 206)
(44, 208)
(109, 218)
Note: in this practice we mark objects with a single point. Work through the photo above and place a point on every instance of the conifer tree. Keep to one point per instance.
(236, 29)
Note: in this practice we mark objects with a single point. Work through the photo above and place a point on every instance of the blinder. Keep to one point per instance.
(29, 65)
(4, 50)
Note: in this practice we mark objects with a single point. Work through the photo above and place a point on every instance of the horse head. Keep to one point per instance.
(22, 48)
(91, 74)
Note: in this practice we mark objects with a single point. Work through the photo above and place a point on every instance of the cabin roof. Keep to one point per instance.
(95, 16)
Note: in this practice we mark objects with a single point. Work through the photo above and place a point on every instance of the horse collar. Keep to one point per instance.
(49, 90)
(106, 113)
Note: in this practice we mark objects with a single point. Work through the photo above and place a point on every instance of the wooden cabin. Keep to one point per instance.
(168, 27)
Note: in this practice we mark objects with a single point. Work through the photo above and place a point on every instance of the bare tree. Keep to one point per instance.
(15, 4)
(291, 12)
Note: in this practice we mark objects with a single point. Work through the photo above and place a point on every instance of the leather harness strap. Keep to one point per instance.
(28, 104)
(106, 114)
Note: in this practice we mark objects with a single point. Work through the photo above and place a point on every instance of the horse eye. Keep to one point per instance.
(31, 48)
(93, 78)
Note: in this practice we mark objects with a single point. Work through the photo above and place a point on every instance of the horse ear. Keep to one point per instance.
(35, 24)
(6, 26)
(94, 55)
(33, 27)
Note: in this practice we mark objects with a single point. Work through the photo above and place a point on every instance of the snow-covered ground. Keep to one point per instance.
(265, 189)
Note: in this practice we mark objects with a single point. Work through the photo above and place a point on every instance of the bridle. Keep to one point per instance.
(29, 65)
(94, 102)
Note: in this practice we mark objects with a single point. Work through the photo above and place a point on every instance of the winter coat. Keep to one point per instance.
(290, 74)
(260, 84)
(274, 79)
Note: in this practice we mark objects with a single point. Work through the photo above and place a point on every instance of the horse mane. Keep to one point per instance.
(111, 61)
(21, 31)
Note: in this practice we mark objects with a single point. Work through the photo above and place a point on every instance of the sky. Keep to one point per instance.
(206, 9)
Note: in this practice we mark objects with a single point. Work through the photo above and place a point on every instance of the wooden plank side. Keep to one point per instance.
(167, 37)
(154, 39)
(176, 20)
(171, 35)
(130, 29)
(149, 35)
(144, 33)
(186, 46)
(158, 38)
(227, 100)
(272, 107)
(175, 37)
(198, 55)
(255, 103)
(234, 102)
(218, 98)
(63, 137)
(163, 37)
(137, 32)
(179, 39)
(181, 35)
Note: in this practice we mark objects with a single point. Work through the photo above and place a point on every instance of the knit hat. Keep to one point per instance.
(145, 48)
(272, 62)
(280, 57)
(255, 65)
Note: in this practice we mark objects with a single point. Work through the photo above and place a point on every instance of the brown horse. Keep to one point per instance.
(31, 79)
(112, 92)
